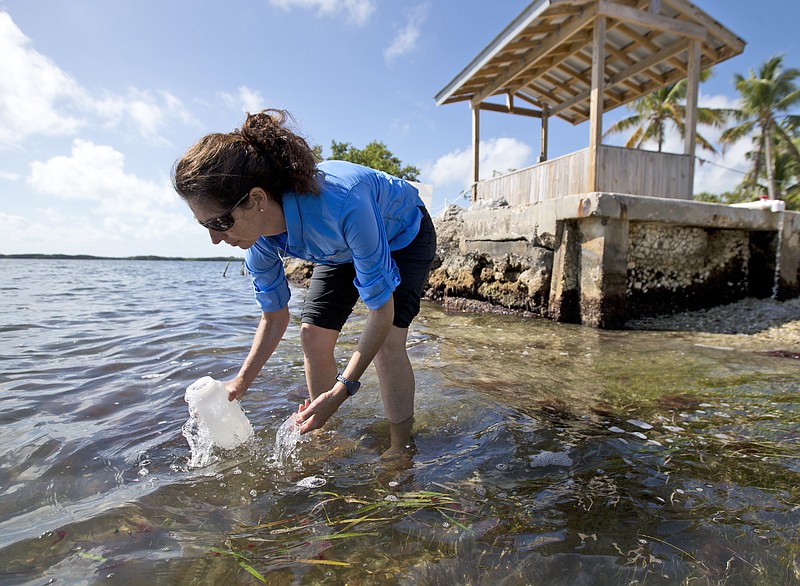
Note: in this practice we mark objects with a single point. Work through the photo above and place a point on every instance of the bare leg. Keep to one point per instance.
(397, 387)
(320, 364)
(394, 370)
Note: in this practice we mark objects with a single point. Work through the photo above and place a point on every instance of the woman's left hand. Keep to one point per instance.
(314, 415)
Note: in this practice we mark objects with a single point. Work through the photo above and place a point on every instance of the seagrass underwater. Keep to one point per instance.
(542, 450)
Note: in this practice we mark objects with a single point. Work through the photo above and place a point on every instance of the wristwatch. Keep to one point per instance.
(352, 386)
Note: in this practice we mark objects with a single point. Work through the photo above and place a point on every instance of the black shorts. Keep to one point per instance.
(332, 295)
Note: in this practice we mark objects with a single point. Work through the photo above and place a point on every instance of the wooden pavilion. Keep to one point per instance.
(576, 59)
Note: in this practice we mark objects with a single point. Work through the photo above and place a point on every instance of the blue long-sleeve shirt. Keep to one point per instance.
(359, 216)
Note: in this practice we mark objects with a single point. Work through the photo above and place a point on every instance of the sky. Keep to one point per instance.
(98, 100)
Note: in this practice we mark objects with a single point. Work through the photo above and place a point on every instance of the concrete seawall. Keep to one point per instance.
(600, 259)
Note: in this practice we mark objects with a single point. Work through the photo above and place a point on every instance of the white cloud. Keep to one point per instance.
(37, 98)
(724, 171)
(9, 176)
(715, 172)
(144, 112)
(244, 100)
(452, 168)
(52, 231)
(496, 155)
(33, 91)
(357, 11)
(97, 173)
(79, 231)
(717, 101)
(88, 202)
(407, 37)
(451, 174)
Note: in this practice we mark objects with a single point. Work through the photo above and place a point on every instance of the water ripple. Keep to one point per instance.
(551, 448)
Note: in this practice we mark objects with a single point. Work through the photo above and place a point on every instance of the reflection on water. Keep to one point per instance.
(544, 453)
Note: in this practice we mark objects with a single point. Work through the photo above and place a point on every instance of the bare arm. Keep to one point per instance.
(269, 332)
(379, 322)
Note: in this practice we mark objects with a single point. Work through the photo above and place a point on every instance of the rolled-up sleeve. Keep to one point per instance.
(377, 275)
(269, 281)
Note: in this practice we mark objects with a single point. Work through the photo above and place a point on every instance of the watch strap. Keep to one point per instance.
(352, 386)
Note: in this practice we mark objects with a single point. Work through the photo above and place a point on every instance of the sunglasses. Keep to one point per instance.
(223, 222)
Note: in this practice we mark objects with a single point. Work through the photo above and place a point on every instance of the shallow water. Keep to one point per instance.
(544, 453)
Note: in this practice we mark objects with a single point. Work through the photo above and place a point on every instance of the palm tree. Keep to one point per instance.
(765, 99)
(786, 174)
(667, 106)
(791, 194)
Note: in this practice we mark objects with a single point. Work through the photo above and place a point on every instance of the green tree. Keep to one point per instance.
(786, 175)
(726, 197)
(766, 98)
(792, 190)
(665, 107)
(787, 169)
(708, 197)
(375, 155)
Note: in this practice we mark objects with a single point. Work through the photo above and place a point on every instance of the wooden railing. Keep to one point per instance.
(620, 170)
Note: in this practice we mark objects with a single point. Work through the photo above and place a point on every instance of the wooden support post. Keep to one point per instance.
(690, 122)
(476, 155)
(596, 103)
(545, 119)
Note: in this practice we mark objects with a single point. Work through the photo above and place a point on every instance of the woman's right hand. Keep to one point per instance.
(236, 388)
(314, 415)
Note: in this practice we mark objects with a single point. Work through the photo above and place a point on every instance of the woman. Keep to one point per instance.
(368, 233)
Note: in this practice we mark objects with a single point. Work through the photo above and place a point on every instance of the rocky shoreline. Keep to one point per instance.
(761, 325)
(758, 325)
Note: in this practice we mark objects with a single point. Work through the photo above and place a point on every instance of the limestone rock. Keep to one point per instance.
(490, 281)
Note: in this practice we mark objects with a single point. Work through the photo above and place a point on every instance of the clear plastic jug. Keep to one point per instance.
(225, 421)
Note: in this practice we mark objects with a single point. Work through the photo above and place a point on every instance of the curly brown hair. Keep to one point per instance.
(221, 167)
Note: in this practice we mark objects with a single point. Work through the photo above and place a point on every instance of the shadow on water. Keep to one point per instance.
(543, 453)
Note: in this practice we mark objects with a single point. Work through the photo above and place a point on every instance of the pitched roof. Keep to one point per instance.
(544, 57)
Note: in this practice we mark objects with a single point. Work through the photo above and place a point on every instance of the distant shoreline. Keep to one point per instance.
(35, 256)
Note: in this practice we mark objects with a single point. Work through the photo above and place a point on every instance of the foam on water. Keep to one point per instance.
(286, 440)
(201, 445)
(546, 458)
(312, 482)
